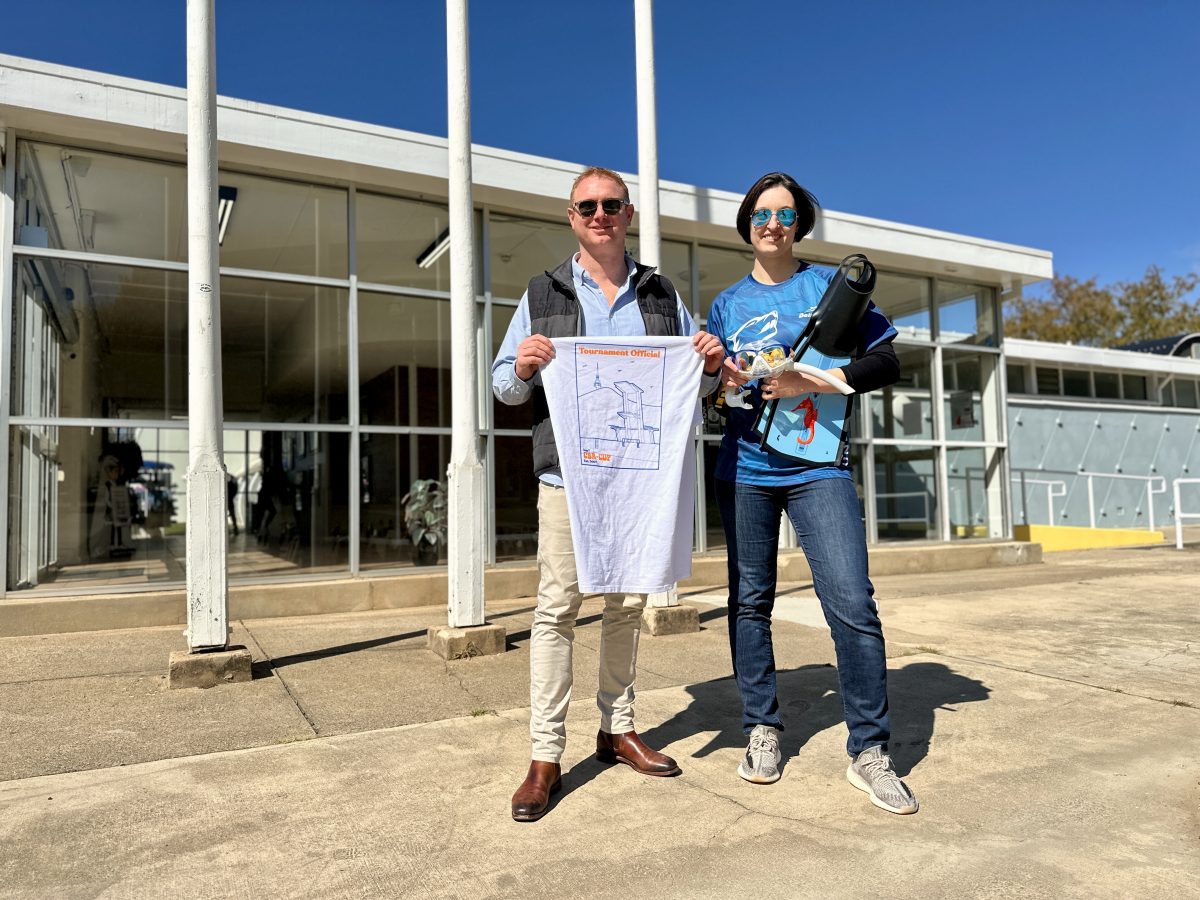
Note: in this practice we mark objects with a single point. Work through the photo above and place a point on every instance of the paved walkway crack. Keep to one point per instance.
(287, 689)
(154, 673)
(1187, 649)
(461, 686)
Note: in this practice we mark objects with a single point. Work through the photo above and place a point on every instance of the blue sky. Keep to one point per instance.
(1062, 124)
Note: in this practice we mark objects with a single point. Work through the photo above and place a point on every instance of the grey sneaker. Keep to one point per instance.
(761, 762)
(872, 771)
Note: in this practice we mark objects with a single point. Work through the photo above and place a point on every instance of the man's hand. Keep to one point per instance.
(533, 353)
(793, 384)
(710, 348)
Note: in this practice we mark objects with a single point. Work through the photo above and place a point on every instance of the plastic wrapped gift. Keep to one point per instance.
(761, 363)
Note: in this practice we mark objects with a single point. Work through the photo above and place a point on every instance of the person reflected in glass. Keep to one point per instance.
(754, 487)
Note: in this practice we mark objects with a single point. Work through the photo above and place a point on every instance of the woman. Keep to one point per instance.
(770, 306)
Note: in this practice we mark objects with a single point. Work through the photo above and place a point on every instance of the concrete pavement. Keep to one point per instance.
(1046, 715)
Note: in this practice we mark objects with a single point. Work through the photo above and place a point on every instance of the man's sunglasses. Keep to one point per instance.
(785, 217)
(611, 206)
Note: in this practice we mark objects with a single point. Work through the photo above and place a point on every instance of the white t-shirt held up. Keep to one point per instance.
(624, 414)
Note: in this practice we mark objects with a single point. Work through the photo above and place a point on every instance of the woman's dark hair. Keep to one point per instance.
(806, 204)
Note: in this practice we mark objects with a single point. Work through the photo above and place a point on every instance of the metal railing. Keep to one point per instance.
(1051, 494)
(1090, 477)
(1180, 515)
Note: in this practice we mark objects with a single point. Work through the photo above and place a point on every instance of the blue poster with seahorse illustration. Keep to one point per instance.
(810, 428)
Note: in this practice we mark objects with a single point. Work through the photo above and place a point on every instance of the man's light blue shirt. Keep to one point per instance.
(599, 319)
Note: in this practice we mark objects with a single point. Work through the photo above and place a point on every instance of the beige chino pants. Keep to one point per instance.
(553, 634)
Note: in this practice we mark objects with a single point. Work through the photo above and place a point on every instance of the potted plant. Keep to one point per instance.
(425, 512)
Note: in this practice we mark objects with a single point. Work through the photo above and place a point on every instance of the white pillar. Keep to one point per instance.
(8, 193)
(207, 586)
(468, 510)
(650, 237)
(650, 240)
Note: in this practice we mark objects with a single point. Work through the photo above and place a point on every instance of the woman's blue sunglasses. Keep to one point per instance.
(785, 217)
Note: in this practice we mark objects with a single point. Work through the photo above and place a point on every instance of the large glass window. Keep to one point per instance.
(975, 500)
(84, 200)
(906, 492)
(504, 415)
(966, 313)
(522, 248)
(404, 360)
(285, 351)
(675, 265)
(390, 465)
(108, 341)
(719, 268)
(282, 226)
(99, 341)
(905, 301)
(905, 409)
(96, 507)
(972, 392)
(298, 499)
(714, 531)
(403, 242)
(516, 498)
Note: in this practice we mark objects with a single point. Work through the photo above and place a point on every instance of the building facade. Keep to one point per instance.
(1097, 437)
(335, 333)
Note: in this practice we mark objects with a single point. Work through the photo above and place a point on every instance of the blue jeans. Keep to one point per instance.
(825, 514)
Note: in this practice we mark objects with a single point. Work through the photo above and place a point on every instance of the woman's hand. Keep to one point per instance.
(793, 384)
(730, 376)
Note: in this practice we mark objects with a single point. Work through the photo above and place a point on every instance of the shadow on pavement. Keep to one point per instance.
(265, 668)
(810, 703)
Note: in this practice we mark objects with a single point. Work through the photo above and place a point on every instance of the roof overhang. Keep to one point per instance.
(1076, 356)
(127, 115)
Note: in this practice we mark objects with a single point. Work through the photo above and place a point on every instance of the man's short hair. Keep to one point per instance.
(599, 172)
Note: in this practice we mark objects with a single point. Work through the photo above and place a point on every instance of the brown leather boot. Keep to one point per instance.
(629, 749)
(532, 798)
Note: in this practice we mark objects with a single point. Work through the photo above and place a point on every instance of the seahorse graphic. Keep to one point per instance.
(810, 420)
(757, 333)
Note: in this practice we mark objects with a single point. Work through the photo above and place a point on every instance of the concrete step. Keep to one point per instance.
(427, 587)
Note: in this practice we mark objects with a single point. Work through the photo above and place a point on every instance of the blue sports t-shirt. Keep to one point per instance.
(749, 315)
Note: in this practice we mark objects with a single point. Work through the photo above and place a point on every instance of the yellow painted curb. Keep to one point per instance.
(1054, 538)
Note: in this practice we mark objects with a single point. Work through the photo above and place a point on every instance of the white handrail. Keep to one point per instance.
(1180, 515)
(1051, 493)
(1150, 480)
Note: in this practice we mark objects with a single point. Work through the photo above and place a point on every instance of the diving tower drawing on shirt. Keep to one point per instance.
(620, 391)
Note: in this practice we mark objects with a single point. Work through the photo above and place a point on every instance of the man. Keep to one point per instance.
(599, 291)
